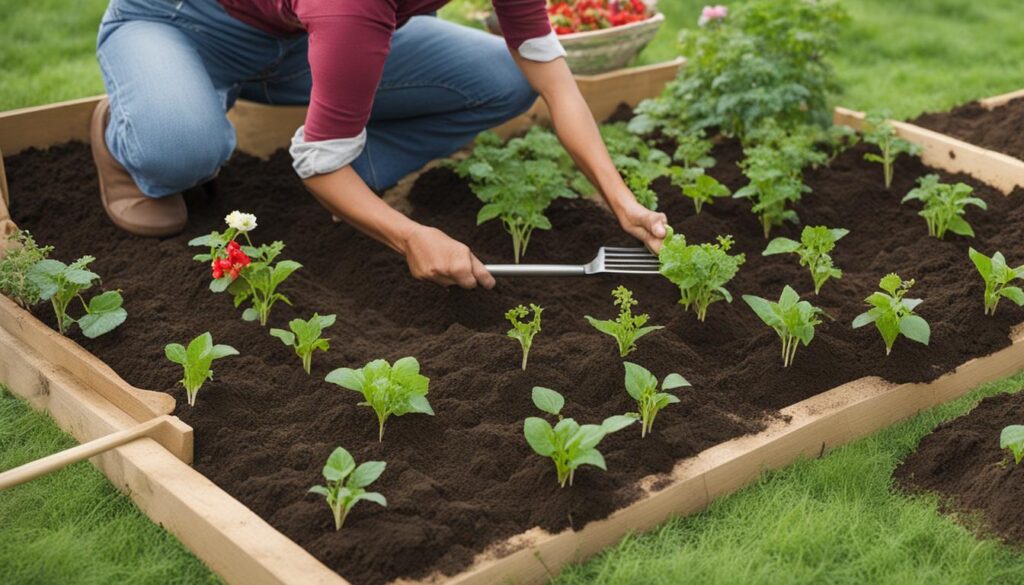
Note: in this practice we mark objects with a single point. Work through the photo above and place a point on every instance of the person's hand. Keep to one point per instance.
(434, 256)
(643, 224)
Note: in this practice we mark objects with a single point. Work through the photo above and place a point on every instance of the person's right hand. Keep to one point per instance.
(434, 256)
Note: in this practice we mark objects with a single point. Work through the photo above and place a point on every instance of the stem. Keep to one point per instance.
(526, 353)
(60, 315)
(697, 204)
(307, 361)
(191, 396)
(339, 516)
(380, 434)
(767, 224)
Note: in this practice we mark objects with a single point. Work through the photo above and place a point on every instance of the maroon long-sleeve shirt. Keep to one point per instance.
(349, 41)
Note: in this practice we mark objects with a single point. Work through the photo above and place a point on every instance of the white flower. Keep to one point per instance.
(243, 222)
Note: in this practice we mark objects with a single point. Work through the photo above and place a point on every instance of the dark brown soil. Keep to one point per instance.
(466, 479)
(1000, 129)
(978, 482)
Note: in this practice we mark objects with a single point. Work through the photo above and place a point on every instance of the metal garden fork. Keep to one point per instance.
(608, 261)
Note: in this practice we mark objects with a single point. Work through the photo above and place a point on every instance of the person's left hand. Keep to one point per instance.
(643, 224)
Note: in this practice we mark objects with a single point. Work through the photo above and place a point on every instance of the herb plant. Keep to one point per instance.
(997, 276)
(305, 337)
(813, 249)
(643, 387)
(944, 205)
(16, 259)
(62, 283)
(881, 133)
(627, 327)
(700, 271)
(704, 190)
(794, 320)
(1012, 438)
(346, 484)
(568, 443)
(893, 314)
(388, 389)
(522, 329)
(249, 273)
(196, 361)
(774, 167)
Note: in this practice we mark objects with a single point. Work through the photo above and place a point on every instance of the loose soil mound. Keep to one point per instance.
(961, 461)
(466, 479)
(1000, 129)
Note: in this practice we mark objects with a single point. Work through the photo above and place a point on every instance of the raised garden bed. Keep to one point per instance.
(262, 431)
(978, 482)
(995, 127)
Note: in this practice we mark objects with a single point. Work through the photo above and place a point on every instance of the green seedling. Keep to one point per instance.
(997, 276)
(627, 327)
(813, 249)
(893, 314)
(62, 283)
(523, 330)
(700, 271)
(19, 255)
(346, 484)
(944, 205)
(389, 390)
(643, 387)
(792, 319)
(196, 361)
(881, 133)
(1012, 438)
(305, 337)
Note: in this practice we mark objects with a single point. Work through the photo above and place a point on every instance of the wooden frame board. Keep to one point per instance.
(991, 103)
(950, 154)
(88, 399)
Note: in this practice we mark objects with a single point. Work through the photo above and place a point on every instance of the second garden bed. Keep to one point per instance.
(466, 479)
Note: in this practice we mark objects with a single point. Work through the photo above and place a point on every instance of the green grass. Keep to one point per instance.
(73, 527)
(829, 520)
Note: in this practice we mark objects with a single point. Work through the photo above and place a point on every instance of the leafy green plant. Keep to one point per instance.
(305, 337)
(568, 443)
(700, 271)
(997, 276)
(813, 249)
(389, 390)
(523, 330)
(881, 133)
(637, 161)
(62, 283)
(16, 259)
(643, 387)
(944, 205)
(196, 360)
(346, 484)
(893, 314)
(794, 320)
(1012, 438)
(627, 327)
(704, 190)
(693, 149)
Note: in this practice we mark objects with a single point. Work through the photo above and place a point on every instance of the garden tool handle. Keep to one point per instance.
(57, 461)
(535, 270)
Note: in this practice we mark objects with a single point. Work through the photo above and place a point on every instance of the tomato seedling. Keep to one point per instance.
(523, 330)
(346, 484)
(643, 387)
(196, 360)
(305, 337)
(893, 314)
(944, 205)
(568, 444)
(792, 319)
(62, 283)
(627, 327)
(813, 249)
(388, 389)
(1012, 438)
(881, 133)
(700, 271)
(997, 276)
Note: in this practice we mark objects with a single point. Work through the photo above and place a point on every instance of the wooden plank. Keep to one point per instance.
(994, 102)
(43, 126)
(950, 154)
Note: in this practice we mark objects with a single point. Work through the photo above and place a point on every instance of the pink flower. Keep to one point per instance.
(712, 13)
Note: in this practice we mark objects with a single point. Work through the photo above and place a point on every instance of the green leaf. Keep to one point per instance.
(673, 381)
(286, 337)
(95, 324)
(250, 314)
(1014, 293)
(347, 378)
(616, 423)
(781, 246)
(548, 400)
(538, 434)
(374, 497)
(864, 319)
(199, 347)
(638, 380)
(366, 473)
(320, 490)
(420, 405)
(221, 351)
(339, 465)
(283, 270)
(915, 328)
(176, 353)
(590, 457)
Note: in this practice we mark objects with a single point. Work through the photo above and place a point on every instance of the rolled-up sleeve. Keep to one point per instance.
(527, 29)
(349, 41)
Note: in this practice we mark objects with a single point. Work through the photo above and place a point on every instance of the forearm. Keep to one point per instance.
(345, 195)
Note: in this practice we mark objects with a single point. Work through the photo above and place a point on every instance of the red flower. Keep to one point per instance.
(233, 264)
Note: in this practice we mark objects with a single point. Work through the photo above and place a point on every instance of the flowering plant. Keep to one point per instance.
(711, 14)
(572, 16)
(247, 272)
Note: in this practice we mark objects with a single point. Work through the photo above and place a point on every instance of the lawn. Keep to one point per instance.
(832, 519)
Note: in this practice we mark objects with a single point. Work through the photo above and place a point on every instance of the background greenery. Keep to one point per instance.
(832, 519)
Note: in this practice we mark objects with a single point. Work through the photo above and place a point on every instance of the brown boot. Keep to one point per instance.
(129, 208)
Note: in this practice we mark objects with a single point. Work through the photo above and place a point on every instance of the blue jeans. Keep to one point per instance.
(172, 69)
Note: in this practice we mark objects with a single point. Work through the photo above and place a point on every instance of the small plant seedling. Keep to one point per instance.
(944, 205)
(387, 389)
(997, 275)
(693, 150)
(700, 271)
(16, 259)
(643, 387)
(62, 283)
(196, 361)
(771, 189)
(568, 443)
(704, 190)
(881, 133)
(627, 327)
(523, 330)
(893, 314)
(1012, 438)
(346, 484)
(813, 249)
(794, 320)
(305, 337)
